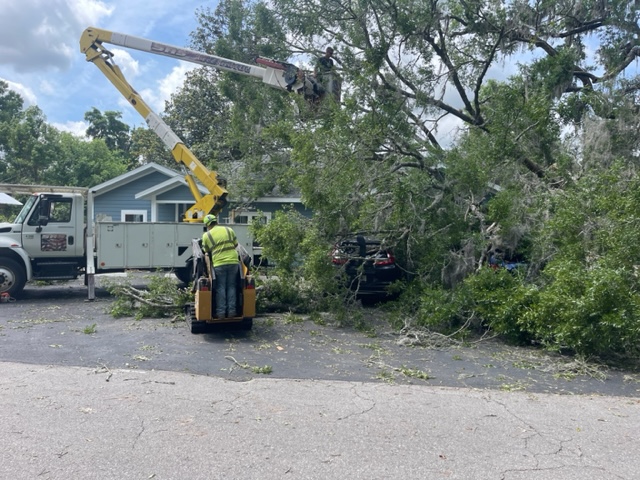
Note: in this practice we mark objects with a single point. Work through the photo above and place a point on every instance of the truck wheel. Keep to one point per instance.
(184, 273)
(12, 277)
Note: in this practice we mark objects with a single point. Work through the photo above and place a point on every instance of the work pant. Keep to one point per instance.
(226, 290)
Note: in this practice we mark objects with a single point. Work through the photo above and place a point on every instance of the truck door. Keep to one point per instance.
(52, 230)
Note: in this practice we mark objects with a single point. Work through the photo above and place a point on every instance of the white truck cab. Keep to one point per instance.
(45, 241)
(54, 237)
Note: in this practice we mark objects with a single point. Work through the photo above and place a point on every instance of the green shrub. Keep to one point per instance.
(589, 311)
(278, 295)
(592, 311)
(292, 294)
(438, 308)
(302, 279)
(498, 299)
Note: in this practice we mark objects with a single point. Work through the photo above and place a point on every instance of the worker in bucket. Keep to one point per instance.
(220, 243)
(325, 73)
(324, 64)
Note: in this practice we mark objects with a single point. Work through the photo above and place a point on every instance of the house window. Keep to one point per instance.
(181, 208)
(133, 216)
(247, 218)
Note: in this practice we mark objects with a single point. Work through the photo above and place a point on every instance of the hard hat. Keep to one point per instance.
(209, 219)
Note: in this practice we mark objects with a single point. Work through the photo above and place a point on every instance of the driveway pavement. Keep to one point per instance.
(55, 325)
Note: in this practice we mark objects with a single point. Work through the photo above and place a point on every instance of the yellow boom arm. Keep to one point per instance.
(91, 46)
(280, 75)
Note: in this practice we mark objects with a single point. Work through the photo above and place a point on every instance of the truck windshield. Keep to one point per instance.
(25, 209)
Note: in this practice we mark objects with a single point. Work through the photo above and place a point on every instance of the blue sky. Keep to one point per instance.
(41, 60)
(40, 56)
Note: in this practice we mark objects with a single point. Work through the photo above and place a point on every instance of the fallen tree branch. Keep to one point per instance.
(104, 369)
(138, 295)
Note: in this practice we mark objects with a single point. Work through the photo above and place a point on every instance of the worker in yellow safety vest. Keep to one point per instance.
(220, 243)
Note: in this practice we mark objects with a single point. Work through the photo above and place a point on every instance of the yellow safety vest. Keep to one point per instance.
(220, 242)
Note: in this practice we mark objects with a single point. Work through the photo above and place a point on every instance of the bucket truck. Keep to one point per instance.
(279, 75)
(50, 239)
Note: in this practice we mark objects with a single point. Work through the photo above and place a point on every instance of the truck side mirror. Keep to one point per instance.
(42, 222)
(43, 217)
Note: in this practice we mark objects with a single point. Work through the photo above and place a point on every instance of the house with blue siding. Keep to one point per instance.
(153, 193)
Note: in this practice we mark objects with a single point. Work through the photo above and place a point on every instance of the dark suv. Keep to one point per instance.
(368, 267)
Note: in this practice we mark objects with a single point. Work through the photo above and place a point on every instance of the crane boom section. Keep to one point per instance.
(280, 75)
(91, 46)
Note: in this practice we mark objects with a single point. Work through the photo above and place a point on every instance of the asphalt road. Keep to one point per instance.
(71, 423)
(84, 395)
(55, 325)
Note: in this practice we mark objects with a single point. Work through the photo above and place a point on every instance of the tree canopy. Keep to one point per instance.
(462, 125)
(34, 152)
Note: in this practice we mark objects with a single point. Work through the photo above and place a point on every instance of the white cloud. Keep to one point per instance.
(76, 128)
(25, 92)
(174, 81)
(448, 130)
(37, 35)
(41, 60)
(90, 12)
(129, 66)
(47, 87)
(155, 92)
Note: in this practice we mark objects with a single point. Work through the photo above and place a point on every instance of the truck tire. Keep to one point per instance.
(12, 277)
(184, 273)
